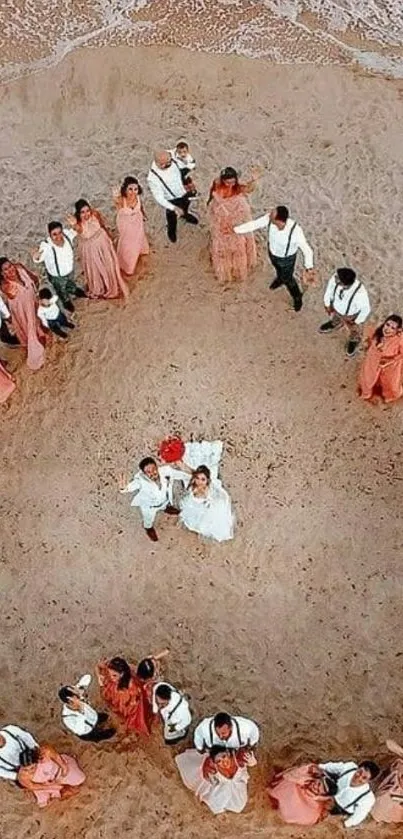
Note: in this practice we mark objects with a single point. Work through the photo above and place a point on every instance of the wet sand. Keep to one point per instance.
(297, 621)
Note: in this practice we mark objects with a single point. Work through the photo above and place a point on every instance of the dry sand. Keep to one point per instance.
(298, 621)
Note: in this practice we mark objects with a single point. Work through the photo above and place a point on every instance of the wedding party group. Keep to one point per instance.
(35, 308)
(215, 767)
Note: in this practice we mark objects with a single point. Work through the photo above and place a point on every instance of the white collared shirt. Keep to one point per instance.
(346, 795)
(58, 259)
(278, 239)
(244, 733)
(184, 163)
(80, 722)
(352, 301)
(176, 713)
(151, 494)
(170, 186)
(16, 739)
(4, 311)
(51, 312)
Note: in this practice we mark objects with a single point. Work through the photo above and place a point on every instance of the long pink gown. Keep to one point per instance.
(7, 384)
(47, 771)
(22, 303)
(388, 805)
(99, 261)
(293, 793)
(232, 255)
(132, 241)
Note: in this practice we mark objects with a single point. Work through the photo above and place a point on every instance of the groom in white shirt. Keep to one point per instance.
(166, 185)
(153, 486)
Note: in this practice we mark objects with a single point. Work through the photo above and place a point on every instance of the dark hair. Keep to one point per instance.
(217, 750)
(163, 691)
(282, 213)
(45, 293)
(29, 756)
(378, 334)
(120, 665)
(146, 669)
(222, 719)
(147, 461)
(128, 182)
(66, 693)
(372, 767)
(79, 205)
(54, 225)
(228, 173)
(3, 260)
(346, 276)
(201, 470)
(182, 145)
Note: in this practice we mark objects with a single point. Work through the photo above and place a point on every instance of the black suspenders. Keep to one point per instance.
(288, 240)
(347, 312)
(58, 274)
(234, 723)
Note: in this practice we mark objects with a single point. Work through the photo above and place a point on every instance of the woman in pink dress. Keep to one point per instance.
(300, 795)
(98, 256)
(132, 242)
(19, 284)
(388, 805)
(7, 385)
(49, 775)
(381, 371)
(232, 255)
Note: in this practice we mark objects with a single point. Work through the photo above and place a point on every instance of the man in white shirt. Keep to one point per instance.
(153, 486)
(13, 742)
(284, 239)
(224, 730)
(5, 335)
(81, 718)
(173, 708)
(352, 792)
(57, 253)
(167, 187)
(346, 301)
(50, 314)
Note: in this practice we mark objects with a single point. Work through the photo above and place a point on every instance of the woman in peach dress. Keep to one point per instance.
(382, 369)
(49, 775)
(128, 691)
(7, 384)
(18, 285)
(132, 242)
(232, 255)
(388, 805)
(98, 256)
(300, 796)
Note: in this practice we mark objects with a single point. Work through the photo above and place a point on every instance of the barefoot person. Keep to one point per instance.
(98, 257)
(132, 241)
(50, 775)
(206, 507)
(19, 287)
(168, 190)
(224, 787)
(285, 239)
(153, 486)
(128, 690)
(388, 805)
(346, 301)
(233, 256)
(14, 741)
(57, 252)
(173, 708)
(382, 368)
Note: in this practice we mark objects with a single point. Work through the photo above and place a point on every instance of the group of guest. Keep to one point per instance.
(215, 768)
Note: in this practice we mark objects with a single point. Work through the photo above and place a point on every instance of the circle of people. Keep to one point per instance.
(215, 769)
(32, 307)
(225, 746)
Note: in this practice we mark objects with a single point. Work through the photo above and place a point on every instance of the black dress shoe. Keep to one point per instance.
(69, 306)
(191, 219)
(172, 237)
(297, 303)
(276, 284)
(152, 534)
(79, 292)
(171, 511)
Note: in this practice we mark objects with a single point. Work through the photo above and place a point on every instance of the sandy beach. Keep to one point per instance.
(297, 622)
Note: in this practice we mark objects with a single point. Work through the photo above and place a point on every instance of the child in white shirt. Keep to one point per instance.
(186, 163)
(51, 315)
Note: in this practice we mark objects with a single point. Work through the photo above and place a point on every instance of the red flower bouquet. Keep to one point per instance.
(171, 449)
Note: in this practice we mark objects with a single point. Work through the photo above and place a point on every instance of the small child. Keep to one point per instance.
(51, 315)
(186, 163)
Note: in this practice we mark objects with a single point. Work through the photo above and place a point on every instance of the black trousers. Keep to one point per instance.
(97, 734)
(285, 273)
(58, 323)
(172, 218)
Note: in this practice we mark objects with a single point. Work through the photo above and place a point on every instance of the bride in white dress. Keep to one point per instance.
(225, 786)
(206, 507)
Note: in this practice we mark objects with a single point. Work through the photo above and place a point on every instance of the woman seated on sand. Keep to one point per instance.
(382, 367)
(19, 286)
(98, 257)
(129, 692)
(224, 788)
(49, 775)
(132, 242)
(232, 255)
(389, 794)
(206, 507)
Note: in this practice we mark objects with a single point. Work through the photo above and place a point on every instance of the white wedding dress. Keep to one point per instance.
(211, 516)
(221, 795)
